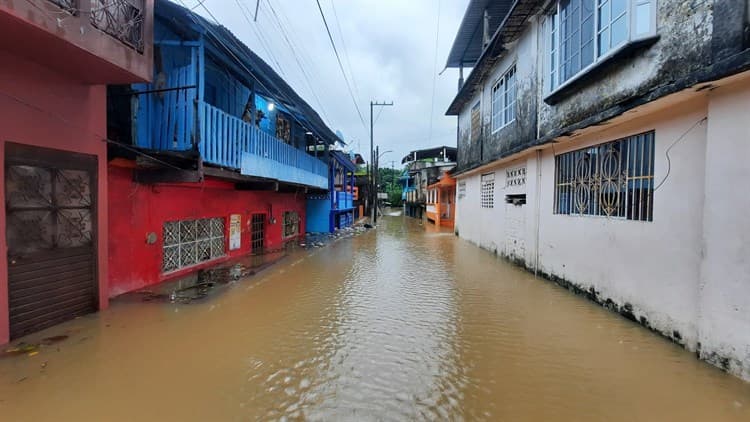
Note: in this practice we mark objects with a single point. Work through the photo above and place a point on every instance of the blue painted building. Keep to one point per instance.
(334, 209)
(212, 161)
(213, 97)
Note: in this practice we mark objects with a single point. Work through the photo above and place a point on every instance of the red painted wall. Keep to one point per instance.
(135, 210)
(43, 108)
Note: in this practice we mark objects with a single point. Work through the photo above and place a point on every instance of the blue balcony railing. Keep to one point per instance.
(231, 142)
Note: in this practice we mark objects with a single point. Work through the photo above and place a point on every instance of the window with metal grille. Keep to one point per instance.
(291, 223)
(258, 233)
(488, 190)
(190, 242)
(476, 121)
(615, 179)
(504, 100)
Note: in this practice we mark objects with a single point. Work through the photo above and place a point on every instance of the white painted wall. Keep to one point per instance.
(687, 272)
(725, 275)
(653, 266)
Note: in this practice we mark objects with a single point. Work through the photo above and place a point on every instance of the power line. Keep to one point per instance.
(209, 29)
(297, 59)
(343, 73)
(259, 34)
(434, 70)
(346, 52)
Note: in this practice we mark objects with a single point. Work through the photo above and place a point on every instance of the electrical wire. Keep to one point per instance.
(346, 52)
(297, 59)
(666, 153)
(341, 66)
(210, 30)
(434, 71)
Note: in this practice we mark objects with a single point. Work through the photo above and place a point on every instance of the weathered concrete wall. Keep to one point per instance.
(521, 53)
(725, 273)
(685, 30)
(654, 272)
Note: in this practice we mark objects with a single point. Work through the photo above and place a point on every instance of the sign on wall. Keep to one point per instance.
(235, 231)
(461, 190)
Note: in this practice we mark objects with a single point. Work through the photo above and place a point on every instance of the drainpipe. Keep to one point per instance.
(538, 209)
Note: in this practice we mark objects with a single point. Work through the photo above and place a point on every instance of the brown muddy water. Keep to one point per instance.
(400, 323)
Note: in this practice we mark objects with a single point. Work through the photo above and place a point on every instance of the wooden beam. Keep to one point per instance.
(261, 186)
(165, 175)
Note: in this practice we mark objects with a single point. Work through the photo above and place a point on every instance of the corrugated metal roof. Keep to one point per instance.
(436, 152)
(510, 29)
(229, 49)
(467, 46)
(345, 160)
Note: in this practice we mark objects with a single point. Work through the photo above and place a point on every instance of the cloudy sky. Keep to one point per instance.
(387, 48)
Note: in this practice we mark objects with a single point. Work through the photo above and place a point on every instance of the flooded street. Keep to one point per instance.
(397, 323)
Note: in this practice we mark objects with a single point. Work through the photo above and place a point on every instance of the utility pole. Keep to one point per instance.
(373, 186)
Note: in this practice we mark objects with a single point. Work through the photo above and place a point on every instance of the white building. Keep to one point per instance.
(602, 145)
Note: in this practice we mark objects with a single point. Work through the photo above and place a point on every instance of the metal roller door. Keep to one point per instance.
(50, 206)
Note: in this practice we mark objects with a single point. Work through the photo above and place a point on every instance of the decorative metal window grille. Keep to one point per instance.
(476, 121)
(488, 190)
(615, 179)
(291, 223)
(504, 100)
(122, 19)
(70, 6)
(258, 234)
(191, 242)
(515, 177)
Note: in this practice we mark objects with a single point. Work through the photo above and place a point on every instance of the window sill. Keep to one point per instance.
(586, 75)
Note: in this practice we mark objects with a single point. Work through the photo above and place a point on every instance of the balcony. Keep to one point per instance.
(230, 142)
(94, 41)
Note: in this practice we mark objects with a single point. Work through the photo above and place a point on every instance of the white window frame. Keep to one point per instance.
(501, 91)
(639, 28)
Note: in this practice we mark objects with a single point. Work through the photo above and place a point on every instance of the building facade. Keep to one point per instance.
(334, 209)
(597, 144)
(423, 168)
(214, 159)
(57, 57)
(441, 201)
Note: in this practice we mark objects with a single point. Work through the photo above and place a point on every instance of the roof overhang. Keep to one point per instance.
(509, 30)
(467, 46)
(437, 152)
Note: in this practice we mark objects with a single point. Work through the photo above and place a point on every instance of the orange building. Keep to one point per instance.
(441, 200)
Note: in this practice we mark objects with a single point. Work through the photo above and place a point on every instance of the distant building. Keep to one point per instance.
(601, 144)
(423, 167)
(334, 209)
(441, 201)
(56, 59)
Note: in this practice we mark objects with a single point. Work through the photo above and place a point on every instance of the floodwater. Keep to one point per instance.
(400, 323)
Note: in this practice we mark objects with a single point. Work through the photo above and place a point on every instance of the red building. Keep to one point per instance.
(211, 161)
(57, 57)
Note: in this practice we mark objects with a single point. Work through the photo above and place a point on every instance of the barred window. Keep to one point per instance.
(190, 242)
(291, 223)
(488, 190)
(615, 179)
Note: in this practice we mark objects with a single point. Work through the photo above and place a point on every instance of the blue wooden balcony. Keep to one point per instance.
(230, 142)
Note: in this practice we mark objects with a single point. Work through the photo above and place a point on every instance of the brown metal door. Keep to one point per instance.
(258, 234)
(50, 207)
